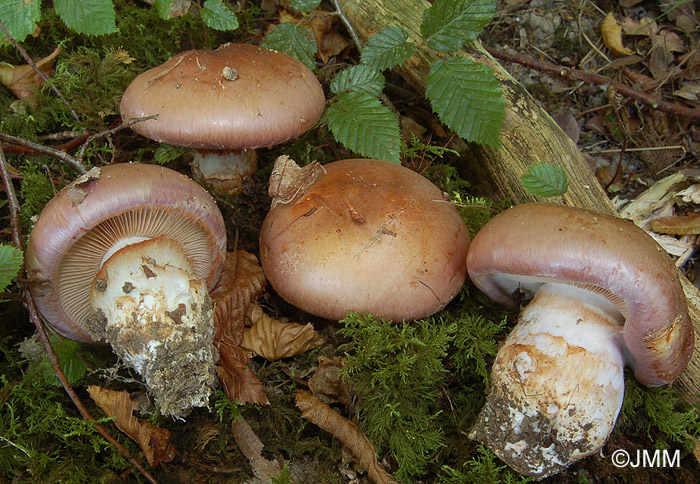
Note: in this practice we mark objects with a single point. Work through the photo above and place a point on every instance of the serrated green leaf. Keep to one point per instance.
(20, 17)
(304, 6)
(72, 365)
(545, 180)
(10, 263)
(163, 8)
(365, 125)
(292, 40)
(359, 78)
(387, 49)
(167, 153)
(219, 16)
(467, 98)
(449, 24)
(90, 17)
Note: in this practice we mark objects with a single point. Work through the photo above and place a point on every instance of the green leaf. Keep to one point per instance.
(545, 180)
(219, 16)
(167, 153)
(467, 98)
(305, 6)
(387, 48)
(359, 78)
(292, 40)
(449, 24)
(366, 126)
(163, 8)
(10, 263)
(20, 17)
(72, 364)
(90, 17)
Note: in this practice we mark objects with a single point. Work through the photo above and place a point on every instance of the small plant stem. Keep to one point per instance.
(110, 131)
(577, 75)
(31, 63)
(74, 162)
(43, 335)
(355, 38)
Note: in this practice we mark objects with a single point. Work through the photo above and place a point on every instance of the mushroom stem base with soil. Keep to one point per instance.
(557, 384)
(158, 318)
(224, 170)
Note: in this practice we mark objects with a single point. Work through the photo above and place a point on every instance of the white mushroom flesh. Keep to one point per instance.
(557, 384)
(158, 318)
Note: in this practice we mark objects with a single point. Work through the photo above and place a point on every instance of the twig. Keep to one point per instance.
(355, 38)
(110, 131)
(74, 162)
(577, 75)
(43, 335)
(31, 63)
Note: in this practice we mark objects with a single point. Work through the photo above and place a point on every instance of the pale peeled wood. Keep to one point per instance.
(528, 136)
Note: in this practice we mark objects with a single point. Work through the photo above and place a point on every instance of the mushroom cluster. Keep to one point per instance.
(127, 254)
(604, 293)
(363, 235)
(225, 104)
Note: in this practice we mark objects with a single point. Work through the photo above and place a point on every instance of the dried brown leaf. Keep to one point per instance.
(274, 340)
(241, 282)
(326, 382)
(289, 181)
(23, 80)
(251, 447)
(154, 441)
(677, 225)
(645, 26)
(318, 413)
(329, 41)
(239, 382)
(611, 32)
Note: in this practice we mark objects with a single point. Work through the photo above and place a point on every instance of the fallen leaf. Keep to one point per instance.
(568, 124)
(274, 340)
(329, 41)
(289, 181)
(677, 225)
(241, 282)
(154, 441)
(318, 413)
(251, 447)
(645, 26)
(670, 40)
(23, 80)
(326, 382)
(611, 32)
(688, 91)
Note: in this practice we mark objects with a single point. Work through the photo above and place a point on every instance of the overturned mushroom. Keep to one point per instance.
(363, 235)
(127, 253)
(225, 104)
(605, 294)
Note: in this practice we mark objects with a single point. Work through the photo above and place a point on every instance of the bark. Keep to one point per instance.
(528, 136)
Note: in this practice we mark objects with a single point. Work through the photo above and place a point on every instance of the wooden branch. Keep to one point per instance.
(528, 136)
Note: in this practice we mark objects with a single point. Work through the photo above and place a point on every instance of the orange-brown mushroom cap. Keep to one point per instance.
(527, 245)
(238, 96)
(85, 219)
(369, 236)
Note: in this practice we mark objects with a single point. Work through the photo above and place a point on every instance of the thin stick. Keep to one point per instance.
(31, 63)
(47, 150)
(43, 335)
(110, 131)
(577, 75)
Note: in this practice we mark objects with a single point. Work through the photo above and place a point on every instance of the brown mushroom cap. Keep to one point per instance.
(527, 245)
(369, 236)
(236, 97)
(85, 219)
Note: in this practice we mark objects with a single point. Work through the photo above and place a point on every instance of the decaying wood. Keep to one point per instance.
(528, 136)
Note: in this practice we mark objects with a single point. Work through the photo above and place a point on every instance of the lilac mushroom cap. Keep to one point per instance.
(605, 294)
(225, 103)
(367, 236)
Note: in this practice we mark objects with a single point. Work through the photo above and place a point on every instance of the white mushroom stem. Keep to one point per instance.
(557, 384)
(224, 171)
(158, 318)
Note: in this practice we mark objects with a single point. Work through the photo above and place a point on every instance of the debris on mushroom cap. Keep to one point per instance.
(363, 235)
(530, 244)
(239, 96)
(115, 204)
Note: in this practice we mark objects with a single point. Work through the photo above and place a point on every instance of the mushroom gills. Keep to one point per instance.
(557, 384)
(158, 317)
